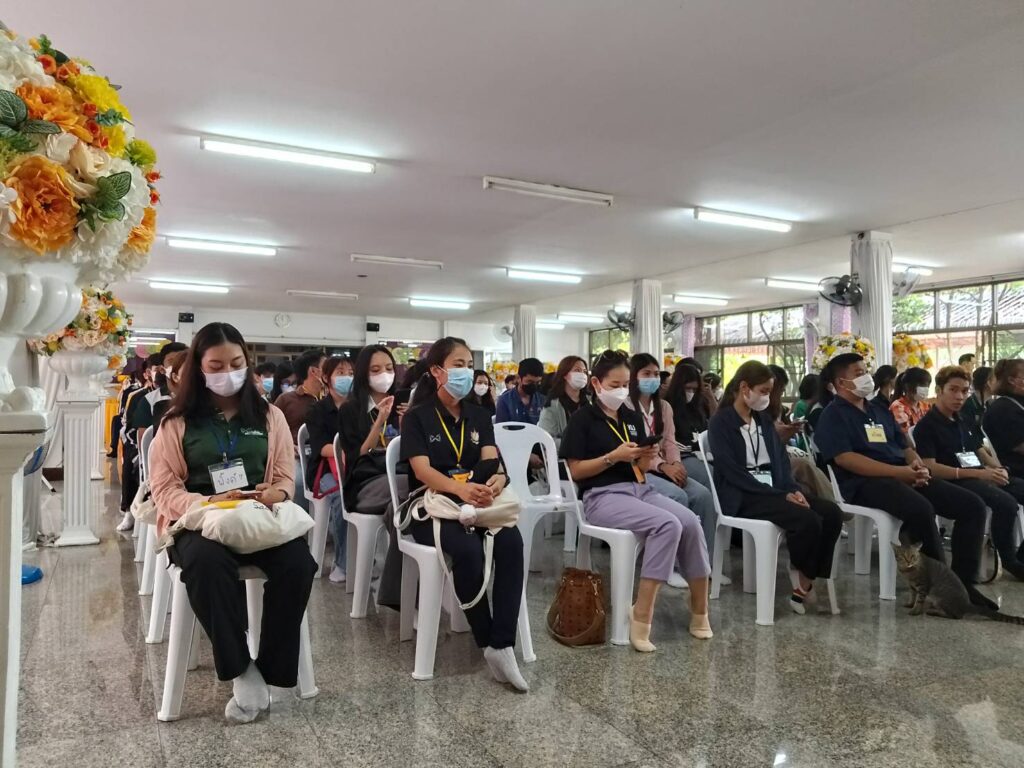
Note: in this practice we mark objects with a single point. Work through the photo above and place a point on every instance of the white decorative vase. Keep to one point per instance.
(79, 368)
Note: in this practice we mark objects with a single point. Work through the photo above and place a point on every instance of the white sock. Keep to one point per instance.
(504, 660)
(337, 575)
(236, 714)
(250, 690)
(676, 580)
(495, 669)
(127, 522)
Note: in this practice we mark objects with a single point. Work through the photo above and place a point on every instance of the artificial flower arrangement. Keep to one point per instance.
(908, 352)
(670, 362)
(101, 327)
(841, 344)
(499, 369)
(76, 185)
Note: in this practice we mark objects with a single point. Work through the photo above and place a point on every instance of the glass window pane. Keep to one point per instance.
(966, 307)
(767, 325)
(710, 358)
(794, 322)
(734, 357)
(945, 347)
(791, 358)
(598, 343)
(618, 339)
(915, 312)
(732, 328)
(1009, 344)
(706, 332)
(1010, 303)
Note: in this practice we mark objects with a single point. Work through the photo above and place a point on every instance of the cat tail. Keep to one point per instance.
(1006, 618)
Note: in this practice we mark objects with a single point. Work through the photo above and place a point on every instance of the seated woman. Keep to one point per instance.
(322, 426)
(913, 388)
(284, 380)
(610, 468)
(885, 384)
(444, 438)
(483, 391)
(567, 394)
(1004, 416)
(690, 418)
(667, 474)
(219, 417)
(812, 481)
(754, 479)
(982, 384)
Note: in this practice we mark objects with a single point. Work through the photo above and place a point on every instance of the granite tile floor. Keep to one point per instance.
(870, 687)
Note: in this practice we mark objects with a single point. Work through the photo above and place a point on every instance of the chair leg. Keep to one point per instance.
(886, 561)
(193, 651)
(363, 570)
(525, 638)
(178, 646)
(719, 560)
(833, 602)
(254, 608)
(571, 530)
(318, 535)
(862, 527)
(407, 610)
(307, 682)
(351, 556)
(583, 553)
(766, 556)
(148, 561)
(749, 564)
(161, 597)
(528, 530)
(431, 586)
(140, 541)
(623, 564)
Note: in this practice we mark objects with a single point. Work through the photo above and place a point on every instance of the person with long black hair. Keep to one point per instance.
(284, 380)
(690, 417)
(446, 440)
(913, 388)
(568, 392)
(885, 384)
(483, 391)
(219, 417)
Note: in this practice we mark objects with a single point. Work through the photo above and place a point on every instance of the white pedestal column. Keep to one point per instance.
(98, 449)
(79, 446)
(15, 448)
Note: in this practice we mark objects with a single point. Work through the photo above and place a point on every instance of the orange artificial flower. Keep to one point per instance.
(141, 238)
(48, 63)
(154, 197)
(56, 104)
(89, 109)
(45, 213)
(153, 177)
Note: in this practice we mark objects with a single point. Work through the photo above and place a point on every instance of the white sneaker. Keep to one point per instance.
(127, 522)
(676, 580)
(337, 576)
(726, 581)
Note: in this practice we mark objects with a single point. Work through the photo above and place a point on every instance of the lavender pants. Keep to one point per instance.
(668, 531)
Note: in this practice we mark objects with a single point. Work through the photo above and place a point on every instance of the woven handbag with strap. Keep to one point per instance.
(578, 616)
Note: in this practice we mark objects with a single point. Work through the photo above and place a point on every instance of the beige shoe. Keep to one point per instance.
(640, 635)
(700, 627)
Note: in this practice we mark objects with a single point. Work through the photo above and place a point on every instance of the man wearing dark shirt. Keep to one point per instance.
(524, 403)
(877, 468)
(295, 406)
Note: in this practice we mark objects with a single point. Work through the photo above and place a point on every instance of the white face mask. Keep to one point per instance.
(718, 393)
(481, 389)
(226, 383)
(756, 402)
(923, 393)
(381, 382)
(863, 385)
(612, 399)
(577, 379)
(690, 395)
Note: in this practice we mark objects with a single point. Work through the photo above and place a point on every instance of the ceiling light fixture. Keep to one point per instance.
(912, 269)
(707, 301)
(550, 326)
(547, 277)
(216, 246)
(323, 294)
(572, 318)
(551, 191)
(790, 285)
(162, 285)
(147, 339)
(741, 220)
(439, 304)
(396, 261)
(300, 155)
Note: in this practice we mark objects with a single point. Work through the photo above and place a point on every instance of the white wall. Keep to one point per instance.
(552, 346)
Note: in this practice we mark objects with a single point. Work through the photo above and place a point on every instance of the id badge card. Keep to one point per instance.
(762, 476)
(459, 474)
(875, 433)
(228, 476)
(969, 460)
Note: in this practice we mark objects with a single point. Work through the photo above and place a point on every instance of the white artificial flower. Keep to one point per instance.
(72, 344)
(93, 339)
(18, 65)
(7, 198)
(58, 147)
(88, 163)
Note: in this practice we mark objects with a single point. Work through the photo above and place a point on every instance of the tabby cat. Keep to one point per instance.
(936, 590)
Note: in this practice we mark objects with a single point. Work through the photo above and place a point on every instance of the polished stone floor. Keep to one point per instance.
(872, 687)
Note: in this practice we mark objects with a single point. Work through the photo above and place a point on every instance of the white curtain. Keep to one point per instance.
(53, 385)
(524, 340)
(871, 260)
(647, 333)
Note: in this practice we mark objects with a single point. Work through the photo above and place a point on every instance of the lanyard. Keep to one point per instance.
(226, 450)
(755, 448)
(620, 435)
(462, 438)
(648, 421)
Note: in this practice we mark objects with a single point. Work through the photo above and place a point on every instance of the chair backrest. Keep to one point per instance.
(515, 442)
(568, 488)
(303, 444)
(144, 444)
(705, 456)
(391, 465)
(835, 485)
(339, 457)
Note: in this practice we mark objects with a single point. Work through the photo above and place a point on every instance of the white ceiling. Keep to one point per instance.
(837, 116)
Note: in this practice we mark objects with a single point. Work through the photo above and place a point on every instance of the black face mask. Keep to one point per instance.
(529, 389)
(160, 380)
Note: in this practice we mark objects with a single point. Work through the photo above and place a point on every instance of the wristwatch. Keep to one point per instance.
(608, 461)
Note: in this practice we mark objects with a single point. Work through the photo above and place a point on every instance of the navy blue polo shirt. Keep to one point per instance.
(939, 438)
(842, 429)
(510, 407)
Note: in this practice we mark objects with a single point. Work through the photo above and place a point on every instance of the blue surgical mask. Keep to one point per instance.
(648, 386)
(268, 384)
(343, 385)
(460, 382)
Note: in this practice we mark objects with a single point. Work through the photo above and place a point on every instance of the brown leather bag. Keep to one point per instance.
(578, 616)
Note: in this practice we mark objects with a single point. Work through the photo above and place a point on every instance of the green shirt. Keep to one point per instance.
(205, 442)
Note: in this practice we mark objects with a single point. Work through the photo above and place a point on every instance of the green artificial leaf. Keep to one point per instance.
(114, 212)
(112, 188)
(45, 45)
(39, 126)
(6, 130)
(60, 57)
(18, 144)
(12, 109)
(110, 117)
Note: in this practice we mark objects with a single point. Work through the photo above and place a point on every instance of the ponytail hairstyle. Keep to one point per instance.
(607, 362)
(912, 378)
(752, 373)
(1004, 371)
(637, 363)
(426, 387)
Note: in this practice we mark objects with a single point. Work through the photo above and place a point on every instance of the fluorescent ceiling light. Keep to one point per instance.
(708, 301)
(188, 244)
(741, 220)
(439, 304)
(552, 191)
(791, 285)
(549, 277)
(396, 261)
(147, 339)
(550, 326)
(162, 285)
(323, 294)
(623, 308)
(571, 318)
(284, 153)
(912, 269)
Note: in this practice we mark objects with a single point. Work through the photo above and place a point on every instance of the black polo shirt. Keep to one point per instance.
(939, 438)
(841, 429)
(424, 435)
(590, 434)
(1004, 425)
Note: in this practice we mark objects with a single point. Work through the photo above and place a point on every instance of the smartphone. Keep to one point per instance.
(402, 397)
(250, 494)
(649, 440)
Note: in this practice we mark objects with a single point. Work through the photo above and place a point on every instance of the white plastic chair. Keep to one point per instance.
(147, 535)
(320, 507)
(361, 548)
(515, 441)
(888, 531)
(432, 586)
(182, 649)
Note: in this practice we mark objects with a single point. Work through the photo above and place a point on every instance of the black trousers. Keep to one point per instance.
(811, 534)
(115, 432)
(1003, 501)
(129, 475)
(917, 508)
(210, 573)
(466, 549)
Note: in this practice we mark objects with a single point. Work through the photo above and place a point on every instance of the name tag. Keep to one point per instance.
(459, 475)
(875, 433)
(228, 476)
(968, 460)
(762, 476)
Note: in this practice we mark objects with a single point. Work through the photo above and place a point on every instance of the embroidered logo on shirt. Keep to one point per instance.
(474, 437)
(434, 438)
(252, 432)
(632, 430)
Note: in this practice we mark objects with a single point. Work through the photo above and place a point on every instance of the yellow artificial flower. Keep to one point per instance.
(94, 89)
(141, 153)
(115, 140)
(45, 213)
